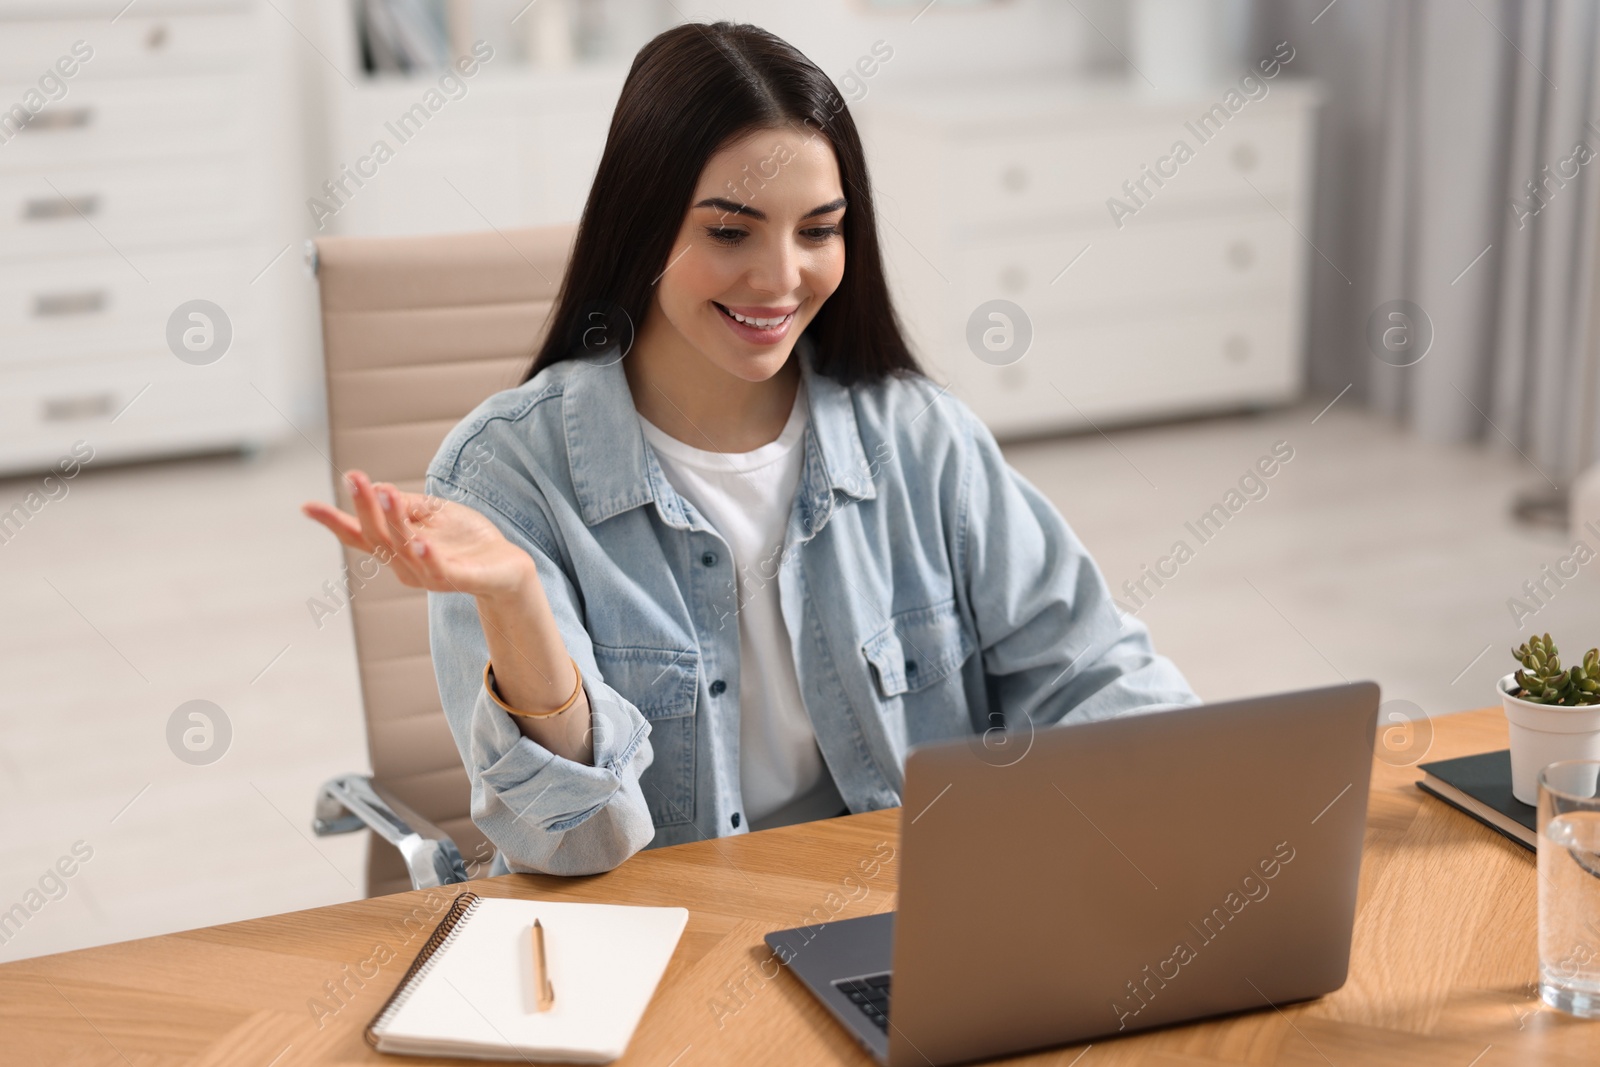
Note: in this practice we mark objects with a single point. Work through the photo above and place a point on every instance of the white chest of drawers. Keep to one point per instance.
(139, 185)
(1189, 299)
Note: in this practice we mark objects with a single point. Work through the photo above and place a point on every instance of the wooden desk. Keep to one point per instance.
(1442, 971)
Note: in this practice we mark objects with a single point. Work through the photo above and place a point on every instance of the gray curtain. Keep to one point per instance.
(1459, 170)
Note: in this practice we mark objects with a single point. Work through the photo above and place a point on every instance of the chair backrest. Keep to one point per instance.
(415, 332)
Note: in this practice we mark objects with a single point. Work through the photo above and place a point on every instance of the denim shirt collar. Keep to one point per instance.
(613, 471)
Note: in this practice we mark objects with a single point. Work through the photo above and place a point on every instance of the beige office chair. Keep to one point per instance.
(415, 332)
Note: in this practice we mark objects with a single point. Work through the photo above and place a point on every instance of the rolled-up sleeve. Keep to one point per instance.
(1055, 646)
(543, 812)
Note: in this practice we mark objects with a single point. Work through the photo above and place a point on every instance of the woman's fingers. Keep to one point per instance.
(407, 508)
(426, 561)
(420, 508)
(401, 559)
(389, 524)
(413, 515)
(405, 513)
(395, 506)
(373, 525)
(343, 526)
(377, 527)
(431, 550)
(381, 527)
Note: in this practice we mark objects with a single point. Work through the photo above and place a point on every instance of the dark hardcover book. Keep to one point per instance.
(1480, 786)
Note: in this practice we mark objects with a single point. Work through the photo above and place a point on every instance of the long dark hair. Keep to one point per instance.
(690, 91)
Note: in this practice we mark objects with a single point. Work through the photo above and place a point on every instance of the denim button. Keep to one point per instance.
(735, 820)
(718, 687)
(709, 559)
(911, 666)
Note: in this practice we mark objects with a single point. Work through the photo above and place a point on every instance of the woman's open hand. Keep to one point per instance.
(430, 543)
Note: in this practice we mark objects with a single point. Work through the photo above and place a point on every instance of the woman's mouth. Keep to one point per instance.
(758, 325)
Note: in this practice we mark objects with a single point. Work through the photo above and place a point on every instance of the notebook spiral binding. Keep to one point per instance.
(442, 935)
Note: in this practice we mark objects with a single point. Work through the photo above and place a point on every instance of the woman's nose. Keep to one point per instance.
(776, 271)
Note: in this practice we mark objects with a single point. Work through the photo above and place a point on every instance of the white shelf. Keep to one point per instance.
(149, 183)
(1189, 301)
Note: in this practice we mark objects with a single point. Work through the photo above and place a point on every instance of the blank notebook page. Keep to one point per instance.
(474, 998)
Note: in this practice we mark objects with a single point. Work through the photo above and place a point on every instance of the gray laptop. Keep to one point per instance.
(1102, 878)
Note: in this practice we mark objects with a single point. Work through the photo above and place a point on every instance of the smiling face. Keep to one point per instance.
(757, 254)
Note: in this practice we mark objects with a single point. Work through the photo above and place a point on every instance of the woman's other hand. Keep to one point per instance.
(444, 547)
(430, 543)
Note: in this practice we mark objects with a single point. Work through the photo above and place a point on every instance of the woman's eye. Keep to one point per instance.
(725, 234)
(821, 233)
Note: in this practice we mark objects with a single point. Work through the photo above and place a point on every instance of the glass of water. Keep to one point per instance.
(1569, 887)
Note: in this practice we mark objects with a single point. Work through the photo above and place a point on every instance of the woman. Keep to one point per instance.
(726, 553)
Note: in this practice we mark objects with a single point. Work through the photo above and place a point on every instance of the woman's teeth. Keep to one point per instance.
(760, 324)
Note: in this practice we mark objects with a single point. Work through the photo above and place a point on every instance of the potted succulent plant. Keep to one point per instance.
(1553, 712)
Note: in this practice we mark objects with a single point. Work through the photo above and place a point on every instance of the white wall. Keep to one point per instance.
(1000, 39)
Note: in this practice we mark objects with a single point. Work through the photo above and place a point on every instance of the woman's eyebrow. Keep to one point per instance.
(731, 207)
(832, 205)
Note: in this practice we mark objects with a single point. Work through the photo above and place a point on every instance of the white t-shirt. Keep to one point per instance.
(747, 498)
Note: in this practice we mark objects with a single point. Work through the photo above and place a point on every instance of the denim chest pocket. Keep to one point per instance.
(661, 683)
(917, 649)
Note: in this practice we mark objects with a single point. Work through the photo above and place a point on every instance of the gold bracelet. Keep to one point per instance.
(577, 687)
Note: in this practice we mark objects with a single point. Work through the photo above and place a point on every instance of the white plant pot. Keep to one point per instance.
(1184, 47)
(1542, 734)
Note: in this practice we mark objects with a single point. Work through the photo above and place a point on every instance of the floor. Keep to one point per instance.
(1369, 555)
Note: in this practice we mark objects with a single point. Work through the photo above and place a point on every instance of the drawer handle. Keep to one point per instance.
(60, 305)
(1014, 178)
(1236, 347)
(1245, 156)
(64, 118)
(41, 208)
(1241, 254)
(86, 406)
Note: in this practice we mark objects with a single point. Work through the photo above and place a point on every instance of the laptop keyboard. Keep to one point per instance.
(871, 995)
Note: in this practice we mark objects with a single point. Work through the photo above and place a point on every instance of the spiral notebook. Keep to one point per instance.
(466, 994)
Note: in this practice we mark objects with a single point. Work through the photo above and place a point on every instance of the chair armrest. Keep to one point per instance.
(353, 801)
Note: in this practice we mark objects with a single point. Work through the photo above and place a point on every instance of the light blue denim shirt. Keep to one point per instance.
(929, 591)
